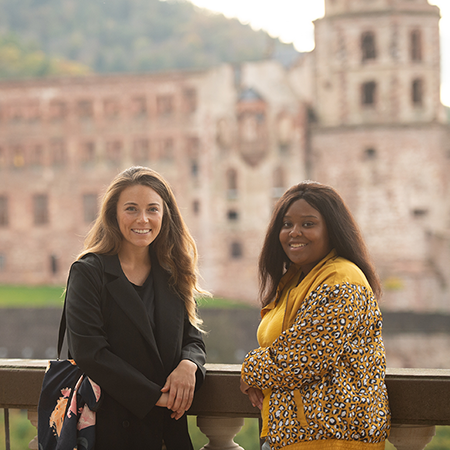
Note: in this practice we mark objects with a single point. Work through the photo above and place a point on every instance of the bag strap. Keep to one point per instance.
(62, 323)
(62, 329)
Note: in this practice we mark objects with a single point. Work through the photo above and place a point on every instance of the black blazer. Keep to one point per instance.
(112, 341)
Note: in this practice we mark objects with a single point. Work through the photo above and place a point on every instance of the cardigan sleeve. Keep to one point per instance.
(89, 346)
(322, 331)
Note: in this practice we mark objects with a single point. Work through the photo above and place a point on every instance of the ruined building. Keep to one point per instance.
(361, 112)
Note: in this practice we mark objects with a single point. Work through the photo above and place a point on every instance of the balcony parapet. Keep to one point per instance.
(419, 400)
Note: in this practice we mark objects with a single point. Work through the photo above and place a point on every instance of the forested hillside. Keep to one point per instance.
(18, 59)
(130, 35)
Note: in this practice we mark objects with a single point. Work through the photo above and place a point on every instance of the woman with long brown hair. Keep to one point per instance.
(318, 375)
(132, 321)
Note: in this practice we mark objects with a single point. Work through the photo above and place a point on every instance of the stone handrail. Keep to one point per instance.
(419, 400)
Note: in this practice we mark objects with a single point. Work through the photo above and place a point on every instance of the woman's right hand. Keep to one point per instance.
(255, 395)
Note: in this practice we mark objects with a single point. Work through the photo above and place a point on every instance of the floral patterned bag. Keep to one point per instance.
(67, 404)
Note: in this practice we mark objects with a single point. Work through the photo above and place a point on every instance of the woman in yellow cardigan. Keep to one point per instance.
(318, 375)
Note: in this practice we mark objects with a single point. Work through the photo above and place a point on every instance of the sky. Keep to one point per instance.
(291, 21)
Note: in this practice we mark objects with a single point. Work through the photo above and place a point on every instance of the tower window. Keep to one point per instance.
(196, 207)
(368, 93)
(194, 168)
(232, 215)
(416, 45)
(419, 212)
(236, 250)
(368, 47)
(417, 92)
(232, 188)
(369, 154)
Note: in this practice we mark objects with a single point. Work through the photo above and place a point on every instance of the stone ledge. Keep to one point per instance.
(417, 396)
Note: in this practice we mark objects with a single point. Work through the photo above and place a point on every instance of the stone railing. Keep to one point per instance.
(419, 399)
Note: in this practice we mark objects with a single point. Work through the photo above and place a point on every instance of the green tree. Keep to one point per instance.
(18, 60)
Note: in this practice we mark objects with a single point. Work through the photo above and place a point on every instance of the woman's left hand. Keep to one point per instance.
(180, 386)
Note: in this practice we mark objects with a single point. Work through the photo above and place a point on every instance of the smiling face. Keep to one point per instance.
(139, 215)
(304, 235)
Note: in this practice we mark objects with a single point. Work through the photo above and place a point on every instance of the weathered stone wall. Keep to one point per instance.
(394, 179)
(192, 127)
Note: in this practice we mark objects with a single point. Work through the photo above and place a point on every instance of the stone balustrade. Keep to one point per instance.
(419, 399)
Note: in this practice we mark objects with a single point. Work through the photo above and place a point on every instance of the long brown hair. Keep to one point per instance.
(174, 246)
(343, 232)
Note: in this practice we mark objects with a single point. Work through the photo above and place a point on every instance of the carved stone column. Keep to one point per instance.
(411, 437)
(220, 431)
(33, 418)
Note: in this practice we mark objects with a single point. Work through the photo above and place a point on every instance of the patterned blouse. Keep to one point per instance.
(321, 364)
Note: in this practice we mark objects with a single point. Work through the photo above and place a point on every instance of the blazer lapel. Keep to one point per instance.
(121, 290)
(169, 316)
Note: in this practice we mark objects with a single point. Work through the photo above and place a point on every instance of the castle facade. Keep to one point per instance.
(361, 112)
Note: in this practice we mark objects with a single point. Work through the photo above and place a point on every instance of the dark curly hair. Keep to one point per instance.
(344, 235)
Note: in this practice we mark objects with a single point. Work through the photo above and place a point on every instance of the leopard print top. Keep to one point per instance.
(325, 373)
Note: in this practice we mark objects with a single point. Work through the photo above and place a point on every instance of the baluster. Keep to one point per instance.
(220, 431)
(411, 437)
(33, 418)
(7, 434)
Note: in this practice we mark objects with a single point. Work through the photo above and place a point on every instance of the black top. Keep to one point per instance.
(147, 295)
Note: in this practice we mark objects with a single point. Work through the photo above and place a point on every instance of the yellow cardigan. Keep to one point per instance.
(321, 364)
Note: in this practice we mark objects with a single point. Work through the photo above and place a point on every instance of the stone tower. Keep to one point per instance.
(379, 137)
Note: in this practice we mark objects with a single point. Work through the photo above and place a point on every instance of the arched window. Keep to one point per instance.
(368, 93)
(417, 92)
(416, 45)
(368, 46)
